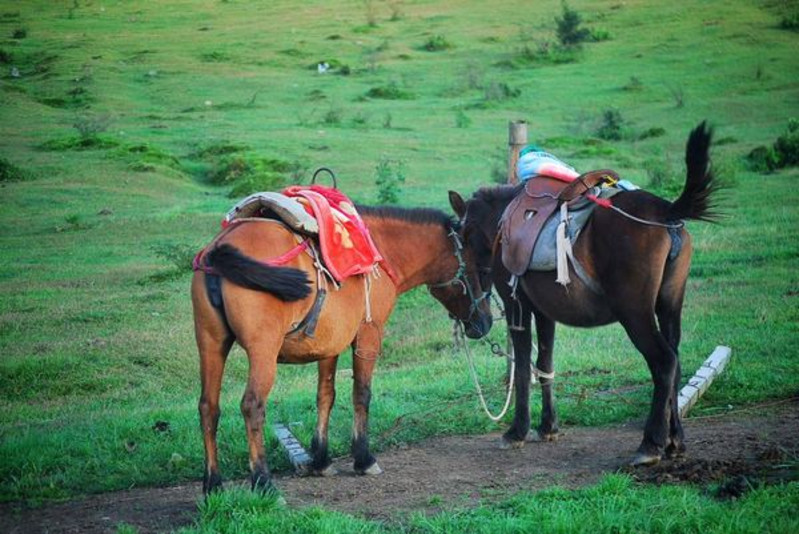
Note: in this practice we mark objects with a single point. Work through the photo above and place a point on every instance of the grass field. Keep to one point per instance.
(125, 123)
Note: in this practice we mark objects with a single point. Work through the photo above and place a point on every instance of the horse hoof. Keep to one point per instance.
(538, 437)
(644, 459)
(675, 451)
(328, 471)
(509, 444)
(372, 470)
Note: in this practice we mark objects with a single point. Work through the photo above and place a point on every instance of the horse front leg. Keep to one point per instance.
(263, 367)
(366, 350)
(519, 326)
(545, 334)
(325, 398)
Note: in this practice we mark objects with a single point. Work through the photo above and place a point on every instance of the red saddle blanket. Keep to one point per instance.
(346, 245)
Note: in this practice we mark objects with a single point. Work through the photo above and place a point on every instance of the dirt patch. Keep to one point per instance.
(737, 451)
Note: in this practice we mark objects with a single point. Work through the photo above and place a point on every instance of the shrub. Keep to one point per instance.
(655, 131)
(599, 35)
(783, 153)
(787, 145)
(180, 255)
(634, 85)
(249, 173)
(790, 22)
(12, 173)
(19, 33)
(437, 43)
(91, 125)
(662, 178)
(498, 91)
(79, 143)
(610, 128)
(568, 30)
(390, 92)
(462, 120)
(389, 174)
(217, 149)
(333, 117)
(546, 53)
(145, 158)
(5, 57)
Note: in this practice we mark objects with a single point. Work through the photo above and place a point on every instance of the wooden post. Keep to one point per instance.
(517, 139)
(699, 383)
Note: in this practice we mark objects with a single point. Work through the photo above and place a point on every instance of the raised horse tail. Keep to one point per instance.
(286, 283)
(695, 201)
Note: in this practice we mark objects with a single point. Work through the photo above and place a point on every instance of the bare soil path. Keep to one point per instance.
(462, 471)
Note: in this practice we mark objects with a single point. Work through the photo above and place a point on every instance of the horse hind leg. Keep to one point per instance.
(213, 343)
(662, 362)
(325, 397)
(669, 313)
(263, 367)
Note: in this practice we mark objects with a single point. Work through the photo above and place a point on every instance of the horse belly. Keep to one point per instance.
(334, 333)
(573, 305)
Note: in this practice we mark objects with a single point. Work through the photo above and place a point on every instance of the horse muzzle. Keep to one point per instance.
(478, 325)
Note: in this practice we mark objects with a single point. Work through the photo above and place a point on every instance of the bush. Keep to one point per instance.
(90, 124)
(568, 27)
(249, 173)
(610, 129)
(5, 57)
(462, 120)
(661, 178)
(498, 91)
(389, 92)
(655, 131)
(783, 153)
(11, 173)
(437, 43)
(790, 22)
(19, 33)
(546, 53)
(389, 174)
(180, 255)
(79, 143)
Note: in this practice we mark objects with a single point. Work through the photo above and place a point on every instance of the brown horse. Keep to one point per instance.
(636, 275)
(237, 296)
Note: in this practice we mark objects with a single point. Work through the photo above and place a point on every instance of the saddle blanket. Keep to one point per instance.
(325, 213)
(344, 240)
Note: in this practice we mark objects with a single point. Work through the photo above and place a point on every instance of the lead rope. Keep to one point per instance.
(460, 339)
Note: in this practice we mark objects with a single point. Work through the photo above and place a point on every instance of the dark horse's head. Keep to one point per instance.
(466, 294)
(479, 223)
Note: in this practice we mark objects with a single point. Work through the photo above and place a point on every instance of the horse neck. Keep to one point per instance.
(418, 253)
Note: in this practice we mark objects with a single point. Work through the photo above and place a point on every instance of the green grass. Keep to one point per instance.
(96, 340)
(614, 505)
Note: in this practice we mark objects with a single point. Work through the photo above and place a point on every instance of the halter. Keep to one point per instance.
(459, 278)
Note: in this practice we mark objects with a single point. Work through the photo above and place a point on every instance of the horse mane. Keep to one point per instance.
(499, 193)
(411, 215)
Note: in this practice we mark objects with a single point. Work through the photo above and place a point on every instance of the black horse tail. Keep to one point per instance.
(286, 283)
(695, 202)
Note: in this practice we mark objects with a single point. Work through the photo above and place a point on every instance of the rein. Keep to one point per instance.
(459, 278)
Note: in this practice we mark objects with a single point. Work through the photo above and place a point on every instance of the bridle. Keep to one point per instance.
(459, 278)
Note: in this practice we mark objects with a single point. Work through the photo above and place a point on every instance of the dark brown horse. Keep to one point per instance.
(631, 279)
(238, 297)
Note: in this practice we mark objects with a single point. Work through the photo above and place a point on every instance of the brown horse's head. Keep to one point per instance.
(466, 295)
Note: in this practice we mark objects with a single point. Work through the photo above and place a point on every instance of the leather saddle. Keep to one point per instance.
(525, 216)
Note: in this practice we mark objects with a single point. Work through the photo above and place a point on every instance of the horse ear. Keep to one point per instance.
(457, 203)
